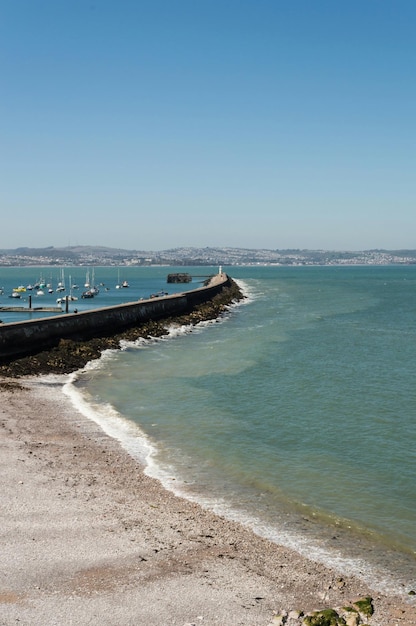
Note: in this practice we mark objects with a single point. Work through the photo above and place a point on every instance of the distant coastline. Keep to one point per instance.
(192, 256)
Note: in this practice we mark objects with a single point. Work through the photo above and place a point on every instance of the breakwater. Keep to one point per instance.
(20, 339)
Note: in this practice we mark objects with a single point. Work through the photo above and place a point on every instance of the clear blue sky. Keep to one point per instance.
(163, 123)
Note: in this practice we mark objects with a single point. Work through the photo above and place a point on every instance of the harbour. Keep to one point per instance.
(30, 336)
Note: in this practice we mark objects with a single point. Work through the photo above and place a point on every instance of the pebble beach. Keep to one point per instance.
(87, 538)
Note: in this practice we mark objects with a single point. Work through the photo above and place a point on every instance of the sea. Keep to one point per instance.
(294, 413)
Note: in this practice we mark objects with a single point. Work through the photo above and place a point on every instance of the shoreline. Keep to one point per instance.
(321, 538)
(87, 537)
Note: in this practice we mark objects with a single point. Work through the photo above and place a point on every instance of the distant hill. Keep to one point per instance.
(69, 251)
(103, 255)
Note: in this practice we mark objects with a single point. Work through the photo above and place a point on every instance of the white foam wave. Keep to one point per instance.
(248, 290)
(141, 342)
(173, 331)
(112, 423)
(140, 447)
(136, 443)
(377, 577)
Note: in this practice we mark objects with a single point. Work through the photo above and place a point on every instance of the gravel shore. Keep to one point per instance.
(87, 538)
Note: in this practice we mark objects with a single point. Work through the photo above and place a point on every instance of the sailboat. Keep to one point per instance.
(61, 283)
(94, 289)
(40, 285)
(70, 298)
(118, 280)
(123, 284)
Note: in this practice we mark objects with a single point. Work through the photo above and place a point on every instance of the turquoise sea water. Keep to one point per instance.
(296, 414)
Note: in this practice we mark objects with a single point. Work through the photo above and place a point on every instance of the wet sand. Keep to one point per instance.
(87, 538)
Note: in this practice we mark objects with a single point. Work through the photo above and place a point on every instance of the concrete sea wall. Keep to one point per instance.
(28, 337)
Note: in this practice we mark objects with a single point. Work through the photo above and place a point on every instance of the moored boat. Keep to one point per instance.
(63, 299)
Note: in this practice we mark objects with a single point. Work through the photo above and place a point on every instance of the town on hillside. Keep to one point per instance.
(104, 256)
